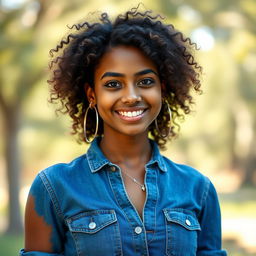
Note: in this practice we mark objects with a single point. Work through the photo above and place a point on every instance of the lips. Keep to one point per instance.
(131, 115)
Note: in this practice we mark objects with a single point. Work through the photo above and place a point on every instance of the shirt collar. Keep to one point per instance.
(156, 158)
(97, 159)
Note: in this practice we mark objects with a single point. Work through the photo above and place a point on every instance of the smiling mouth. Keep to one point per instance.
(130, 113)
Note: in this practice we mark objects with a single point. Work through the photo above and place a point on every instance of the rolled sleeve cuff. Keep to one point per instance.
(35, 253)
(212, 253)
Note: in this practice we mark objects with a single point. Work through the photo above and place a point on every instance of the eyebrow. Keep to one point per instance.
(115, 74)
(146, 71)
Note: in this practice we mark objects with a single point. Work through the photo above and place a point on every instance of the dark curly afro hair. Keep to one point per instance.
(76, 56)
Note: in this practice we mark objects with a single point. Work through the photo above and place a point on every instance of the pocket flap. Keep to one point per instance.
(92, 221)
(182, 217)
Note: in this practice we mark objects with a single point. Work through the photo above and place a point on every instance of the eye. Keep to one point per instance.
(146, 82)
(113, 84)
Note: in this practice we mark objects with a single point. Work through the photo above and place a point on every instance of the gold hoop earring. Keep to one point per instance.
(170, 115)
(85, 120)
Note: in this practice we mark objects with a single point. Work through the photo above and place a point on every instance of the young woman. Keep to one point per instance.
(123, 83)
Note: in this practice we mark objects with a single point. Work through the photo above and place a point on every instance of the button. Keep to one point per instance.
(188, 222)
(113, 168)
(92, 225)
(138, 230)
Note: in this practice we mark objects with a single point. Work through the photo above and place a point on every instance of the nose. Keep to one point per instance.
(131, 96)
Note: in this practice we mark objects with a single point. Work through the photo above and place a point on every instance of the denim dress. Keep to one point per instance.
(90, 213)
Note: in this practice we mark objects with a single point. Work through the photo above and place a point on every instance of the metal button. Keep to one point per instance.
(188, 222)
(138, 230)
(92, 225)
(113, 168)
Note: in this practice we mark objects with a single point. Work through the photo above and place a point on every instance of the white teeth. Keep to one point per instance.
(131, 113)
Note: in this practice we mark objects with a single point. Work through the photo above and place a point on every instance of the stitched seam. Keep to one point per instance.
(132, 233)
(179, 221)
(94, 213)
(51, 193)
(85, 230)
(157, 191)
(89, 162)
(95, 167)
(166, 237)
(205, 194)
(181, 210)
(196, 227)
(76, 243)
(120, 240)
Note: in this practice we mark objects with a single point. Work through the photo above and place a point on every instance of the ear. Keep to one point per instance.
(90, 94)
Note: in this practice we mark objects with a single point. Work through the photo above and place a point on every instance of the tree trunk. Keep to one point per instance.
(12, 156)
(250, 165)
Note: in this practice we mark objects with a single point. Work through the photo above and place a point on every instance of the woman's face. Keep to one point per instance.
(127, 91)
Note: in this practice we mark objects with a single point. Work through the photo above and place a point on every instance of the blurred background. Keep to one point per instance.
(218, 138)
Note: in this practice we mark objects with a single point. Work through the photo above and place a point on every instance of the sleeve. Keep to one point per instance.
(47, 206)
(34, 253)
(209, 238)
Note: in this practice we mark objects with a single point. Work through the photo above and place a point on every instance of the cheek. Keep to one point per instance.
(157, 102)
(155, 97)
(158, 108)
(104, 104)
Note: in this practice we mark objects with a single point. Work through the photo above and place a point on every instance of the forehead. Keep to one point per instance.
(125, 60)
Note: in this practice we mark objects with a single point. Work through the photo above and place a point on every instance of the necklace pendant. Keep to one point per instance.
(143, 188)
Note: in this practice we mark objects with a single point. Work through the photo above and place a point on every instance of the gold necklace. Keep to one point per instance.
(142, 186)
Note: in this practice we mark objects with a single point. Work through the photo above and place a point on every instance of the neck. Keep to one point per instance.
(127, 149)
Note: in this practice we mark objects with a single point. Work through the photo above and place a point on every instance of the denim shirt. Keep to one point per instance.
(90, 213)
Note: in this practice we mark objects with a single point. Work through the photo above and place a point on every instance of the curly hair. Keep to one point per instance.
(80, 52)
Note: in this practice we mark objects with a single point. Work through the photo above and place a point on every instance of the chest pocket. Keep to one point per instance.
(96, 233)
(181, 232)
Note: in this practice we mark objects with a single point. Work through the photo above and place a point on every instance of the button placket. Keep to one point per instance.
(132, 215)
(149, 212)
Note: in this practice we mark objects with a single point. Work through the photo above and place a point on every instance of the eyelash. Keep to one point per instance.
(149, 82)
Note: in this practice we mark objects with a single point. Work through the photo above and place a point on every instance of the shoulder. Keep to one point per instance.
(186, 176)
(191, 183)
(62, 171)
(183, 169)
(60, 174)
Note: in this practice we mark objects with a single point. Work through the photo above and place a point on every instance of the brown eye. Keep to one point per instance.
(113, 84)
(146, 82)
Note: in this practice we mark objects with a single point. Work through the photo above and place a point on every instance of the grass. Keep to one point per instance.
(10, 245)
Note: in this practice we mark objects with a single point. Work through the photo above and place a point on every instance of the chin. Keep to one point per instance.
(135, 133)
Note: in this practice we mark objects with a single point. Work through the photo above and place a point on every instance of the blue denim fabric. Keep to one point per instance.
(88, 208)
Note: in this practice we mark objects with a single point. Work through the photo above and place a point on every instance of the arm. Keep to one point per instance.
(43, 229)
(209, 239)
(37, 231)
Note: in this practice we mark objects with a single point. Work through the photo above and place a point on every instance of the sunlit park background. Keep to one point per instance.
(218, 138)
